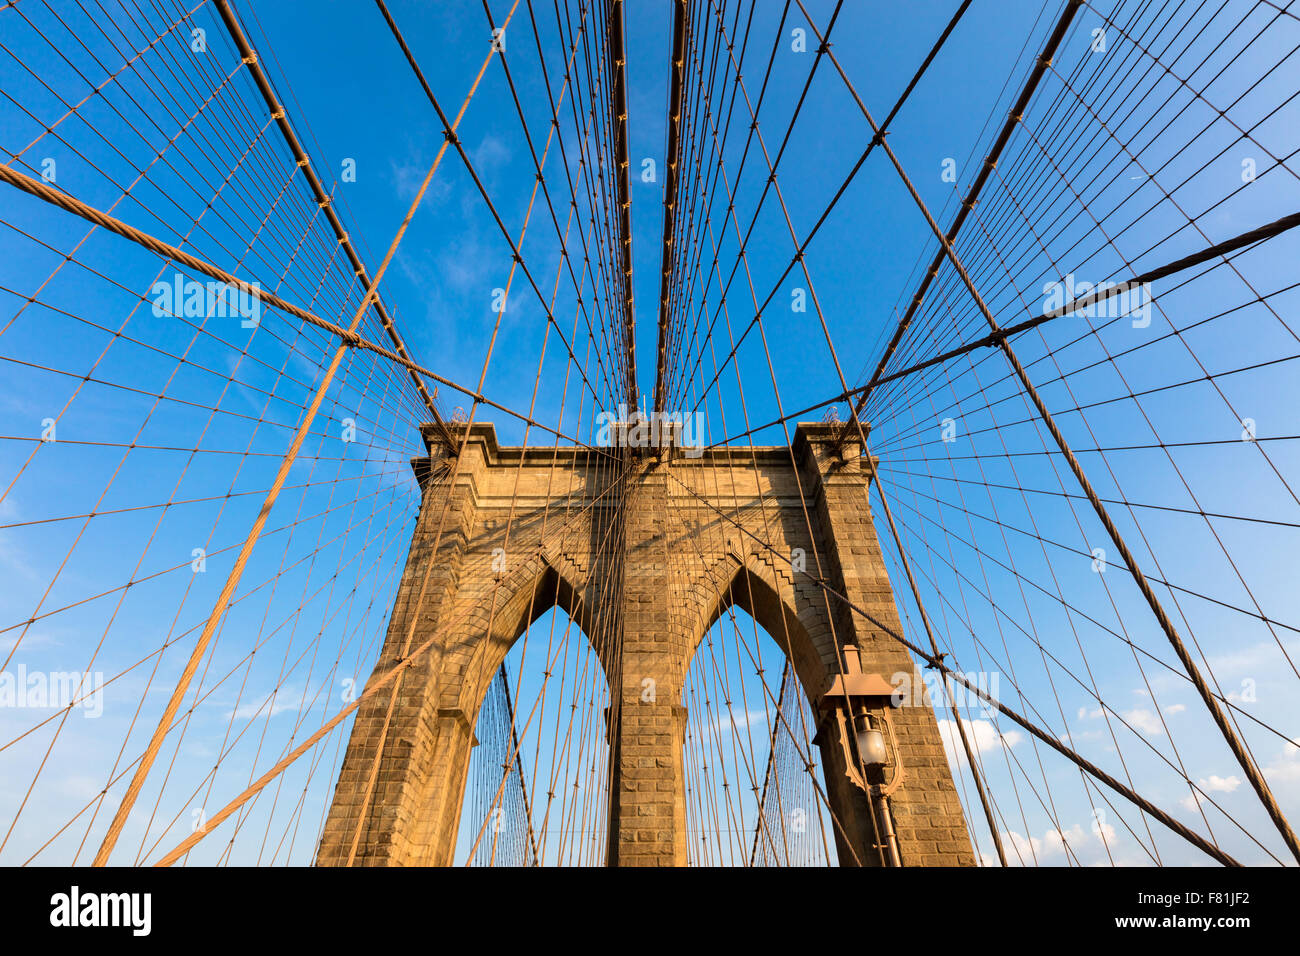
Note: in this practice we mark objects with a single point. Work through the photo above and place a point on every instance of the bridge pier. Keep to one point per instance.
(648, 798)
(644, 560)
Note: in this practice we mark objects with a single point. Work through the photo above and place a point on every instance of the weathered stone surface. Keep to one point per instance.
(644, 565)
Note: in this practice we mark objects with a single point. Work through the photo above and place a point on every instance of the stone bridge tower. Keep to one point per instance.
(644, 557)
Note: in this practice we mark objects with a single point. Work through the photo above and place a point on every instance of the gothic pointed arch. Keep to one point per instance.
(766, 590)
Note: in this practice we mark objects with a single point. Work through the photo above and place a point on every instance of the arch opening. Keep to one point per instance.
(755, 784)
(536, 783)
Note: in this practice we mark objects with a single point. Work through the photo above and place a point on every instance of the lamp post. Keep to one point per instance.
(863, 702)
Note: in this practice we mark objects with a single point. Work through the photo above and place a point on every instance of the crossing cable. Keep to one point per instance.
(1229, 557)
(972, 195)
(513, 753)
(995, 520)
(1151, 176)
(322, 198)
(594, 640)
(596, 121)
(803, 246)
(1090, 691)
(711, 190)
(348, 336)
(789, 653)
(784, 636)
(743, 260)
(618, 95)
(137, 782)
(671, 385)
(117, 776)
(580, 123)
(1258, 783)
(272, 207)
(450, 137)
(687, 243)
(605, 604)
(679, 328)
(604, 263)
(376, 764)
(379, 682)
(1173, 462)
(1101, 296)
(783, 417)
(1089, 687)
(925, 620)
(937, 664)
(728, 600)
(771, 182)
(157, 398)
(510, 760)
(1081, 303)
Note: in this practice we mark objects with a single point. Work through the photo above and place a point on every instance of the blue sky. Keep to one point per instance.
(352, 97)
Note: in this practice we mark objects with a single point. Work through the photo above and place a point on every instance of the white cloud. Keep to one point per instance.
(1019, 849)
(1286, 768)
(1028, 850)
(1055, 841)
(1212, 784)
(982, 734)
(1144, 720)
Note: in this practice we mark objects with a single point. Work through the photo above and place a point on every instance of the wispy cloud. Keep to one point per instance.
(273, 703)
